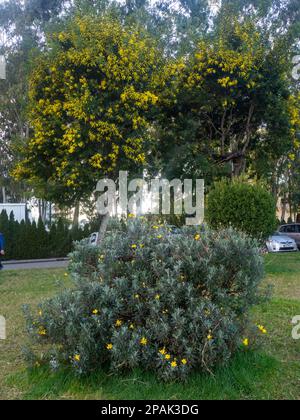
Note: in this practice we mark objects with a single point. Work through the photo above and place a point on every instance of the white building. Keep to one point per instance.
(19, 210)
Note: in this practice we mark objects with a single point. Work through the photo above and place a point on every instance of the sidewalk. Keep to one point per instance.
(40, 264)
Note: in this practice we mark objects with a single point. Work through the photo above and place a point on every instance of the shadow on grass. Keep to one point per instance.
(250, 375)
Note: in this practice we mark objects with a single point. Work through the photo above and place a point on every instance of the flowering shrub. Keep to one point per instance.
(152, 299)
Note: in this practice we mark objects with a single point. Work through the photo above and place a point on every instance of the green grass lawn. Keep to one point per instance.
(273, 372)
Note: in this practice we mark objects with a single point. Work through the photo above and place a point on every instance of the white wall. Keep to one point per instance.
(19, 210)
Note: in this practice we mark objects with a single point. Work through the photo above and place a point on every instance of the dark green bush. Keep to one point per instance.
(151, 299)
(31, 240)
(245, 207)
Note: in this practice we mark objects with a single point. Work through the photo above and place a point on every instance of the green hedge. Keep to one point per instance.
(30, 240)
(243, 206)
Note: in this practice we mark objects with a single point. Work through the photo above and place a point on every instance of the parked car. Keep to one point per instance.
(292, 231)
(281, 243)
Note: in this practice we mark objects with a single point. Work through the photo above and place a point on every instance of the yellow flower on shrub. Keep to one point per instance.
(109, 346)
(134, 246)
(246, 342)
(144, 341)
(174, 364)
(119, 323)
(167, 356)
(210, 337)
(77, 357)
(197, 237)
(157, 297)
(184, 361)
(262, 329)
(162, 351)
(42, 331)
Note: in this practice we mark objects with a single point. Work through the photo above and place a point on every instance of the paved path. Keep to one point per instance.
(33, 264)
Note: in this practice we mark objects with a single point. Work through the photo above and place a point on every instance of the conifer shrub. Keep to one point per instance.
(154, 300)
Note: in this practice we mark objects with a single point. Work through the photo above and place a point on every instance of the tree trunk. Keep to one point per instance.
(3, 194)
(76, 215)
(238, 166)
(103, 228)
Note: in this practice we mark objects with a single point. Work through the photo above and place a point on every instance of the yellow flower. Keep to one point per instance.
(95, 312)
(131, 216)
(42, 331)
(77, 357)
(184, 361)
(109, 346)
(246, 342)
(162, 351)
(133, 246)
(136, 296)
(159, 236)
(174, 364)
(262, 329)
(40, 313)
(144, 341)
(197, 237)
(142, 246)
(167, 356)
(157, 297)
(209, 337)
(155, 227)
(119, 323)
(131, 326)
(66, 274)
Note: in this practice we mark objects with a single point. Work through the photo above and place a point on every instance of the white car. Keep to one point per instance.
(281, 243)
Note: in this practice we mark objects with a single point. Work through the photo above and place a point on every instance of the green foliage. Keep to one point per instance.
(246, 207)
(28, 240)
(153, 300)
